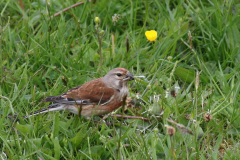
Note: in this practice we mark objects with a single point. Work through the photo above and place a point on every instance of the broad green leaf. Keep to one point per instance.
(185, 74)
(56, 125)
(56, 148)
(24, 129)
(79, 137)
(166, 113)
(217, 145)
(189, 76)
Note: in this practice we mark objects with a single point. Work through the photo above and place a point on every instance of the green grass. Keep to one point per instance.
(43, 57)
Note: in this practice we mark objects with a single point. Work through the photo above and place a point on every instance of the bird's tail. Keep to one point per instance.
(52, 107)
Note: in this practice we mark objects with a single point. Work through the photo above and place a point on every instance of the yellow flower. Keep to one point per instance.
(151, 35)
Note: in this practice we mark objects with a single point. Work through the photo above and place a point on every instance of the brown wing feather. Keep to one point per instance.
(94, 91)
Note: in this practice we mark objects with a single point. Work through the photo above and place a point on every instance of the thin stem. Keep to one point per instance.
(119, 142)
(173, 153)
(127, 44)
(100, 50)
(21, 4)
(1, 54)
(100, 53)
(113, 47)
(76, 21)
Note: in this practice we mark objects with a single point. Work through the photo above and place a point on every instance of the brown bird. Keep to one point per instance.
(96, 97)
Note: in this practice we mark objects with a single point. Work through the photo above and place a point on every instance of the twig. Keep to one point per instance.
(181, 127)
(66, 9)
(129, 117)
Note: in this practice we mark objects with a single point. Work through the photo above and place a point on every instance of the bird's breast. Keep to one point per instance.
(124, 91)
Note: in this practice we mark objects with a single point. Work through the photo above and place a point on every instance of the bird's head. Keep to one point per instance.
(118, 78)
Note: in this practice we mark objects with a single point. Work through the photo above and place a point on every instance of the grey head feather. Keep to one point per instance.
(116, 78)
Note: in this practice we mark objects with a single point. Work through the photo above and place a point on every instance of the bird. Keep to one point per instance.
(94, 98)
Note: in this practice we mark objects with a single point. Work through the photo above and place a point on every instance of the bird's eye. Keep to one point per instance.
(119, 74)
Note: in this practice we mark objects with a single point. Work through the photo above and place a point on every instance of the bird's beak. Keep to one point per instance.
(129, 77)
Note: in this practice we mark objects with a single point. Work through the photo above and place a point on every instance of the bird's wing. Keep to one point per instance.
(94, 91)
